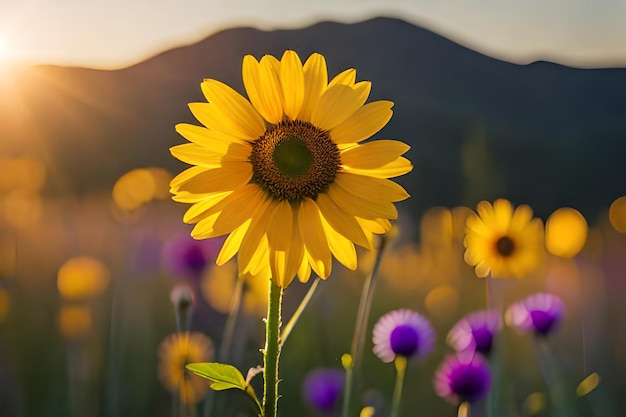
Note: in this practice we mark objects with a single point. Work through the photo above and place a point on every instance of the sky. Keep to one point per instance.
(116, 33)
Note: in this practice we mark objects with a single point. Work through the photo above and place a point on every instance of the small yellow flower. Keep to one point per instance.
(504, 242)
(175, 352)
(284, 173)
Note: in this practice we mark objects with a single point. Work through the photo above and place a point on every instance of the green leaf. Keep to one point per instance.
(221, 376)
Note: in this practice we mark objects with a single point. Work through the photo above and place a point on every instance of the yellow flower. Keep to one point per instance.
(504, 242)
(284, 174)
(178, 350)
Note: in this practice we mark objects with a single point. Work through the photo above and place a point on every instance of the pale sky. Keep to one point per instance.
(117, 33)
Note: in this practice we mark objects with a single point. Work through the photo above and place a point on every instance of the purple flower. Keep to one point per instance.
(539, 313)
(186, 257)
(475, 332)
(463, 377)
(322, 387)
(404, 333)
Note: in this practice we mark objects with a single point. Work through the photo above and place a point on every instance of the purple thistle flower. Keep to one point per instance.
(322, 387)
(539, 313)
(405, 333)
(186, 257)
(463, 377)
(475, 332)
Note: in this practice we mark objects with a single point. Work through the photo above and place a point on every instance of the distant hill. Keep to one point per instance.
(480, 128)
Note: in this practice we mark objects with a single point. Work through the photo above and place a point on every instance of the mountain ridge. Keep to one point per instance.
(547, 134)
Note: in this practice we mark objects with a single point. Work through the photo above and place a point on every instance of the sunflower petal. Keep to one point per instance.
(373, 155)
(347, 77)
(238, 207)
(393, 169)
(304, 272)
(292, 82)
(228, 177)
(363, 123)
(204, 136)
(314, 239)
(335, 106)
(341, 247)
(361, 207)
(285, 246)
(379, 188)
(253, 249)
(240, 114)
(232, 243)
(315, 80)
(193, 154)
(263, 87)
(199, 209)
(341, 221)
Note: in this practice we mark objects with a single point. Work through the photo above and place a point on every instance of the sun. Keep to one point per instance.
(7, 53)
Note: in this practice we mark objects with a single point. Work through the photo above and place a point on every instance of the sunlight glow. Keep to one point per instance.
(6, 53)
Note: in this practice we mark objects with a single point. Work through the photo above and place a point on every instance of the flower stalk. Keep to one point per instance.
(400, 363)
(353, 367)
(271, 353)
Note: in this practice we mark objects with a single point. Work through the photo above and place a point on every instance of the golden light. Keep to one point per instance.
(82, 277)
(74, 321)
(566, 232)
(588, 384)
(442, 302)
(617, 214)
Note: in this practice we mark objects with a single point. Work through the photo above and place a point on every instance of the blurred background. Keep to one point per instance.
(525, 101)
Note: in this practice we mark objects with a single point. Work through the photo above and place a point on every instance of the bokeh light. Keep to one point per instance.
(588, 384)
(4, 303)
(22, 210)
(617, 214)
(442, 302)
(140, 186)
(82, 277)
(75, 321)
(566, 232)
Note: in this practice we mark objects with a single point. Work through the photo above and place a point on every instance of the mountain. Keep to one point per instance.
(479, 128)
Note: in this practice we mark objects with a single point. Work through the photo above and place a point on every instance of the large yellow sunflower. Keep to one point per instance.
(504, 242)
(284, 173)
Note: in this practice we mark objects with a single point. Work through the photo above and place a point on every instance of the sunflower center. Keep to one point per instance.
(294, 160)
(505, 246)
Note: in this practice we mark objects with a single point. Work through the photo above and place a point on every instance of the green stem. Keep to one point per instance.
(400, 364)
(271, 353)
(356, 351)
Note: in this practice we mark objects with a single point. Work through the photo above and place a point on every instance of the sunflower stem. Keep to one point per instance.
(271, 353)
(296, 316)
(353, 366)
(400, 364)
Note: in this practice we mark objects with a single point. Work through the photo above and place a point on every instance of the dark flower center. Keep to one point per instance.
(294, 160)
(505, 246)
(543, 321)
(469, 382)
(404, 340)
(483, 338)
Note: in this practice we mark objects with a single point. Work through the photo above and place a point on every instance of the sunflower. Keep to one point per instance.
(284, 173)
(502, 241)
(175, 352)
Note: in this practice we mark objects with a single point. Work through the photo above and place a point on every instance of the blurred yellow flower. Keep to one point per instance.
(175, 352)
(284, 173)
(82, 277)
(218, 289)
(504, 242)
